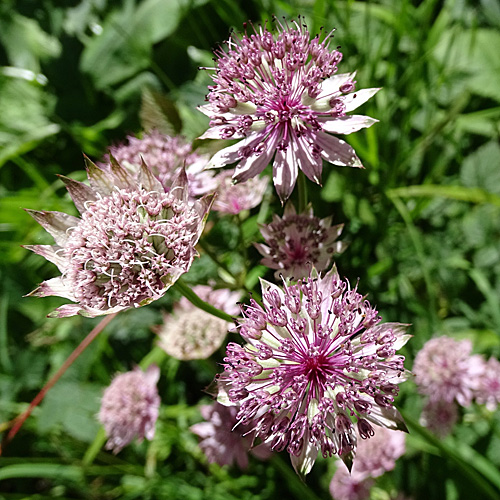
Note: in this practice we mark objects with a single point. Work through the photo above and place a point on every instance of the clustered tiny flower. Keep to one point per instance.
(374, 457)
(296, 242)
(447, 373)
(165, 155)
(318, 369)
(129, 407)
(131, 243)
(191, 333)
(279, 93)
(234, 198)
(221, 443)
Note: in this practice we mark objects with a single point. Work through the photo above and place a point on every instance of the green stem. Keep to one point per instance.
(155, 357)
(187, 292)
(302, 188)
(294, 481)
(452, 452)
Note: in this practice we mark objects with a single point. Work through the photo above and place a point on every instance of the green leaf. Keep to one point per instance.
(124, 46)
(74, 406)
(26, 43)
(475, 52)
(481, 168)
(23, 120)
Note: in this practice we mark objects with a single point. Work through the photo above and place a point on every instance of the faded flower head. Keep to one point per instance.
(439, 416)
(488, 387)
(347, 485)
(445, 370)
(280, 95)
(220, 442)
(317, 371)
(130, 244)
(165, 156)
(233, 198)
(129, 407)
(189, 332)
(297, 242)
(374, 457)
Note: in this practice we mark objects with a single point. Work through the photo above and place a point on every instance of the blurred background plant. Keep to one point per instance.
(423, 223)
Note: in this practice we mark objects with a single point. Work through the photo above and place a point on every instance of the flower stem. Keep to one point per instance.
(292, 479)
(453, 453)
(187, 292)
(302, 188)
(19, 421)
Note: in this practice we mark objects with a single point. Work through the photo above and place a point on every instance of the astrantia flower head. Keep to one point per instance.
(189, 332)
(374, 457)
(279, 93)
(317, 371)
(439, 416)
(296, 242)
(165, 156)
(233, 198)
(129, 407)
(488, 386)
(446, 371)
(220, 442)
(131, 243)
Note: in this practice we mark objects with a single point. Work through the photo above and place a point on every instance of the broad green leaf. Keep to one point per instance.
(124, 46)
(24, 118)
(481, 169)
(26, 43)
(74, 406)
(473, 51)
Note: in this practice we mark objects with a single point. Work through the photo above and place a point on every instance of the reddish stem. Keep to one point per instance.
(19, 421)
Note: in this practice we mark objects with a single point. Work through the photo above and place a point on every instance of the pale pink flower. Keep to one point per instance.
(233, 198)
(130, 244)
(439, 416)
(445, 370)
(347, 485)
(221, 441)
(374, 457)
(129, 407)
(296, 242)
(488, 386)
(318, 369)
(165, 156)
(280, 95)
(191, 333)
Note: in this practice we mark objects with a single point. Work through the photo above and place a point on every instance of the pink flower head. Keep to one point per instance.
(130, 244)
(445, 370)
(439, 416)
(280, 95)
(221, 442)
(318, 369)
(189, 332)
(374, 457)
(347, 485)
(295, 243)
(129, 407)
(488, 387)
(233, 198)
(165, 156)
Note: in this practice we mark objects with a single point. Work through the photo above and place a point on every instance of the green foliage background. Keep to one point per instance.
(423, 220)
